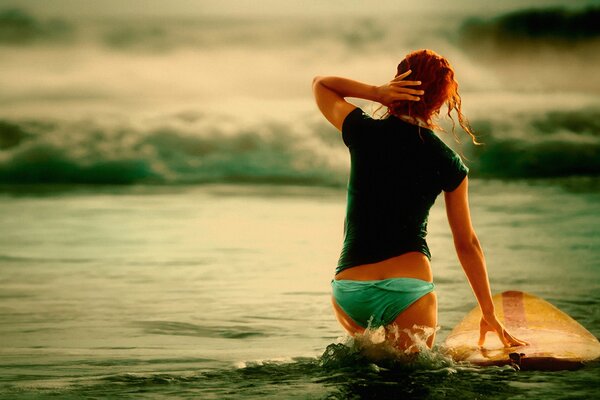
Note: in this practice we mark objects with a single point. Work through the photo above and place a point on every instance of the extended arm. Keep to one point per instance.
(330, 94)
(472, 260)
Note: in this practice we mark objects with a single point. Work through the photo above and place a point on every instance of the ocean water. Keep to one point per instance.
(222, 291)
(172, 203)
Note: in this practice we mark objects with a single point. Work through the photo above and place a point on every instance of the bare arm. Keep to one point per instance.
(330, 94)
(472, 260)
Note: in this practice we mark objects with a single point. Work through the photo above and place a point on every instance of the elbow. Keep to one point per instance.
(317, 80)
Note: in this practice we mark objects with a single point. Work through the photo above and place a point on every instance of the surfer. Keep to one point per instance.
(398, 168)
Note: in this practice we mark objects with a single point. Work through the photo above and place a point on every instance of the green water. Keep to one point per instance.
(222, 291)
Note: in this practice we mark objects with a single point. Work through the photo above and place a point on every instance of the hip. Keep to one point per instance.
(408, 265)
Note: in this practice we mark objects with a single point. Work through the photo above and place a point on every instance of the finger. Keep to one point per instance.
(495, 326)
(408, 90)
(510, 341)
(514, 341)
(481, 340)
(400, 77)
(483, 330)
(401, 82)
(503, 338)
(517, 342)
(406, 97)
(403, 75)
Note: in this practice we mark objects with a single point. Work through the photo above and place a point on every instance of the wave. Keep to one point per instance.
(395, 33)
(20, 28)
(557, 27)
(175, 150)
(187, 329)
(508, 159)
(527, 49)
(554, 144)
(188, 148)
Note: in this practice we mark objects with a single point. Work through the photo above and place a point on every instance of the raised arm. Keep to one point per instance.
(472, 260)
(330, 94)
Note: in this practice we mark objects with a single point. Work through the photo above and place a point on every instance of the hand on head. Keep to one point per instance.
(396, 90)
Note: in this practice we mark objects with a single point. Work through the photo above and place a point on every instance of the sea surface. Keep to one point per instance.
(222, 291)
(172, 202)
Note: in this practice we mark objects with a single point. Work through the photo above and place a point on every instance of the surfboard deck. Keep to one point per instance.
(556, 341)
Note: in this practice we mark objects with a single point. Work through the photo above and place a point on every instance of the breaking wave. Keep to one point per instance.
(196, 148)
(552, 26)
(179, 149)
(554, 144)
(18, 27)
(124, 65)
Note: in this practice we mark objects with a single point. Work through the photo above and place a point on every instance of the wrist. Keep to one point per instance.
(377, 94)
(487, 309)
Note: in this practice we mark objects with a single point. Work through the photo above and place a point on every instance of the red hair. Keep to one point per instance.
(437, 80)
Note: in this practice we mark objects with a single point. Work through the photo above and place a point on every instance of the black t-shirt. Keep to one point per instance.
(397, 171)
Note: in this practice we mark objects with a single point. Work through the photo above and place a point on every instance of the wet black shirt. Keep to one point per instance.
(397, 171)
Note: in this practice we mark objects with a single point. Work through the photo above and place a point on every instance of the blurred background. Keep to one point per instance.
(172, 202)
(198, 91)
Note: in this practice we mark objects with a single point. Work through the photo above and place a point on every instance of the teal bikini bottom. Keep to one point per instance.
(375, 303)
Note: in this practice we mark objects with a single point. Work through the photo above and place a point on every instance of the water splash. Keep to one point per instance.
(374, 349)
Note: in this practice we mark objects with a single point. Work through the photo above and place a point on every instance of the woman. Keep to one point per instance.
(398, 168)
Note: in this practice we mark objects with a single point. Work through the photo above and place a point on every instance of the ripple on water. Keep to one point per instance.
(188, 329)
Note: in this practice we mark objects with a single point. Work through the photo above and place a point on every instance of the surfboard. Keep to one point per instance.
(556, 341)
